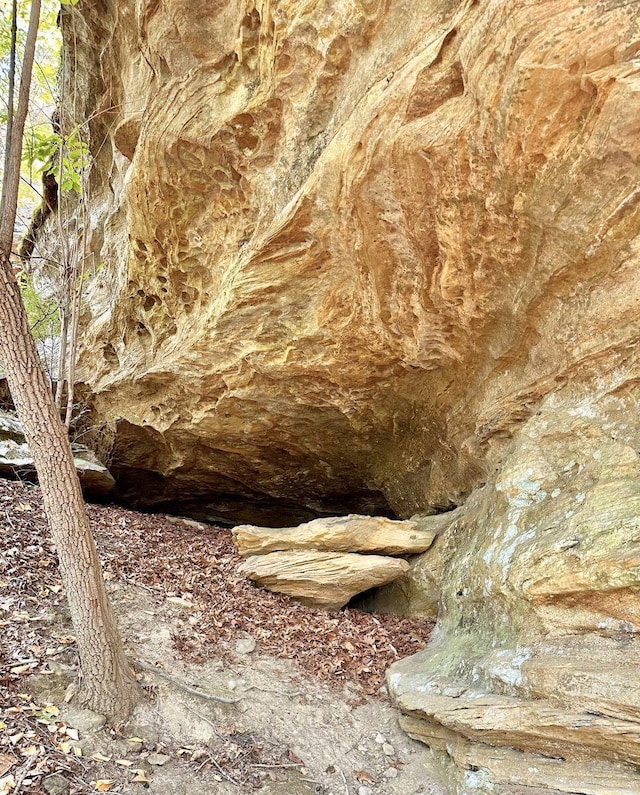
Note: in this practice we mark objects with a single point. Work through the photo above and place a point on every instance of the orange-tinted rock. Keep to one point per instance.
(347, 254)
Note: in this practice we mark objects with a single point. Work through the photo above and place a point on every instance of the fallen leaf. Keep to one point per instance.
(15, 738)
(71, 732)
(104, 784)
(20, 669)
(363, 777)
(141, 777)
(6, 763)
(124, 762)
(98, 757)
(7, 784)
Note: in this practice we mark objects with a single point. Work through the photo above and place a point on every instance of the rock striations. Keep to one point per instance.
(327, 562)
(382, 257)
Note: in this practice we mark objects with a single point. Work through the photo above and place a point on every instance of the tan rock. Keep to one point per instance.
(418, 591)
(538, 640)
(347, 255)
(322, 579)
(338, 534)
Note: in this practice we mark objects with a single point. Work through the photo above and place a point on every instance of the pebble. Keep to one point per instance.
(391, 772)
(245, 645)
(158, 759)
(380, 739)
(388, 750)
(55, 784)
(365, 791)
(84, 720)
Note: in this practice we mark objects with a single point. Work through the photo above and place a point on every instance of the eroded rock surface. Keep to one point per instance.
(338, 534)
(347, 249)
(538, 643)
(382, 257)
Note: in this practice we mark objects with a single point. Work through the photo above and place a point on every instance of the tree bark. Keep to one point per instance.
(108, 684)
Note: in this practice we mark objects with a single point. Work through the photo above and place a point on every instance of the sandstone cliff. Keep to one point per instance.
(372, 256)
(349, 247)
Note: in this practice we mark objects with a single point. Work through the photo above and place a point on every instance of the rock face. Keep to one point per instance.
(322, 579)
(418, 591)
(337, 534)
(347, 250)
(382, 257)
(538, 642)
(16, 459)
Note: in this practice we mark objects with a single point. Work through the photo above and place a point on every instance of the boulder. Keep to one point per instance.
(16, 459)
(322, 579)
(418, 591)
(339, 534)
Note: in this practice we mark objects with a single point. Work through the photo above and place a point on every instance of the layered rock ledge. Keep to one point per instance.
(532, 677)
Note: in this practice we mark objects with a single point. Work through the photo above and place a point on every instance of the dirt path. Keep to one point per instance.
(302, 718)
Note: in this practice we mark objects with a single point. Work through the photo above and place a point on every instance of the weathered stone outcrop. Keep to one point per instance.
(382, 257)
(537, 646)
(339, 534)
(347, 252)
(16, 459)
(322, 579)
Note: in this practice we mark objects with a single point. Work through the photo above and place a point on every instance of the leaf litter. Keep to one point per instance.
(192, 568)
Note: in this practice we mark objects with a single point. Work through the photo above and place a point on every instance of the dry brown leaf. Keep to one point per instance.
(104, 784)
(6, 763)
(98, 757)
(363, 777)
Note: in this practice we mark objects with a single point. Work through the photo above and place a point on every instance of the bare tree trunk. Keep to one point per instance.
(62, 355)
(108, 684)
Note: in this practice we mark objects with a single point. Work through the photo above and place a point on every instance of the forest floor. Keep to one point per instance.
(307, 709)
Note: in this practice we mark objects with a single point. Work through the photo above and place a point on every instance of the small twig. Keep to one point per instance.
(221, 771)
(192, 690)
(24, 771)
(206, 720)
(344, 778)
(270, 690)
(291, 764)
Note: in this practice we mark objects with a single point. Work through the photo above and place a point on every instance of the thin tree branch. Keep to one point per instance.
(11, 180)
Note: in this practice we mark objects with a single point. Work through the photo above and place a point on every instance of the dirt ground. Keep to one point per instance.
(307, 711)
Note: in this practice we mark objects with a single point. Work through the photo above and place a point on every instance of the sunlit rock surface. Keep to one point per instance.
(344, 254)
(338, 534)
(343, 250)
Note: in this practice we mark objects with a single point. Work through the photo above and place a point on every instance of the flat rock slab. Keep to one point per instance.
(322, 579)
(353, 533)
(16, 459)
